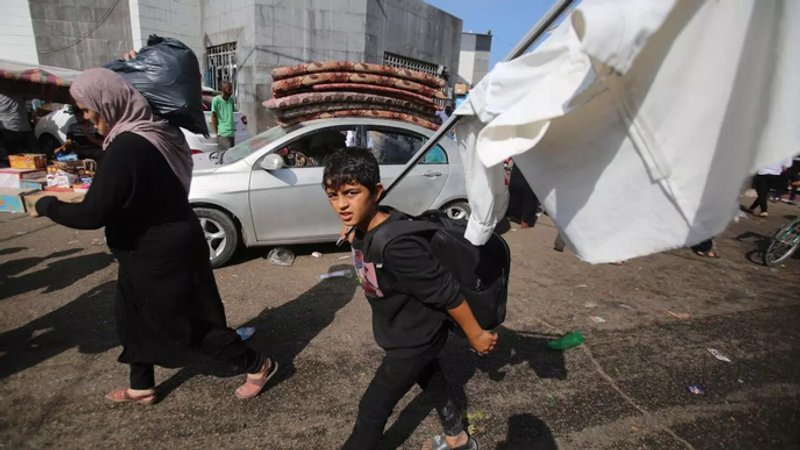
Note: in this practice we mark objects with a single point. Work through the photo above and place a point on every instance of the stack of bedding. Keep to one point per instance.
(328, 89)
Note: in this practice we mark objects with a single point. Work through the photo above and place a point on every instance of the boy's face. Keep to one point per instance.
(355, 204)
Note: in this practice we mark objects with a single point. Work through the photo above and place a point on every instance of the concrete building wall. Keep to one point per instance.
(79, 35)
(466, 66)
(414, 29)
(294, 32)
(474, 57)
(17, 41)
(180, 19)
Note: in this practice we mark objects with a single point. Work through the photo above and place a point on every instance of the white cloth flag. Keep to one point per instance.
(637, 122)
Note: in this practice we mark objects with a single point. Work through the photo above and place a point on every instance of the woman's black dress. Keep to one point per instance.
(167, 298)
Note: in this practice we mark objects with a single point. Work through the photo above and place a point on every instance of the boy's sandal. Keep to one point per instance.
(121, 395)
(439, 442)
(254, 386)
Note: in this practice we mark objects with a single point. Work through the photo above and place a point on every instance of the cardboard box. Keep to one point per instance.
(28, 161)
(12, 200)
(30, 198)
(62, 180)
(12, 178)
(37, 184)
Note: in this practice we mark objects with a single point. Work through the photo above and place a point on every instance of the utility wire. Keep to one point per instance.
(82, 38)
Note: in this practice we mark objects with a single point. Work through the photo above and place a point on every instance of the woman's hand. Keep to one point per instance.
(130, 55)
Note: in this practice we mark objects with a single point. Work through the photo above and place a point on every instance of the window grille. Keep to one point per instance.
(221, 63)
(392, 60)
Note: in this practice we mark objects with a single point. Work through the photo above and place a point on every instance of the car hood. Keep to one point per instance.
(205, 162)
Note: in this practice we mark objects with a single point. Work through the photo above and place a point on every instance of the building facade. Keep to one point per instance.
(474, 57)
(235, 40)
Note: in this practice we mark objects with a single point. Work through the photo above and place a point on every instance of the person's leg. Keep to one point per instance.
(392, 380)
(224, 345)
(434, 383)
(142, 386)
(559, 243)
(762, 190)
(777, 183)
(142, 377)
(224, 142)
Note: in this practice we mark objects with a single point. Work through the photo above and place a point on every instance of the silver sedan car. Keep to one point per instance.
(268, 189)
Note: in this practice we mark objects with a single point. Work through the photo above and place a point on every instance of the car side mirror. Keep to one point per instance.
(272, 162)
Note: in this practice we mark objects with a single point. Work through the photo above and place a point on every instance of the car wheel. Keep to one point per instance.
(48, 143)
(457, 210)
(220, 233)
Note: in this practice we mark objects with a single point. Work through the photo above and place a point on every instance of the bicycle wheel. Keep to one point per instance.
(783, 244)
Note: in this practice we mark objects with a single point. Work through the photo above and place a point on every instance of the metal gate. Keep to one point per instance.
(221, 63)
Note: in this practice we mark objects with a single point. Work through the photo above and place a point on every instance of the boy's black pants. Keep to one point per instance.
(393, 379)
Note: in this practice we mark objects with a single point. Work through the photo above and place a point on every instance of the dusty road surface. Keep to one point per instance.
(654, 320)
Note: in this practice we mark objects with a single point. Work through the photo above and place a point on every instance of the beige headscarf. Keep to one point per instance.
(125, 109)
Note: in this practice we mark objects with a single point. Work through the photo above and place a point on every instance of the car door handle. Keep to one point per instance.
(432, 174)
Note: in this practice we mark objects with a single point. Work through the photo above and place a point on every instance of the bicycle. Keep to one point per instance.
(783, 244)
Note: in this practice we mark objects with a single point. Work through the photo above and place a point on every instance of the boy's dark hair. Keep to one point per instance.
(351, 165)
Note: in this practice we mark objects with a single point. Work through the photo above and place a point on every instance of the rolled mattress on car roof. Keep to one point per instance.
(350, 89)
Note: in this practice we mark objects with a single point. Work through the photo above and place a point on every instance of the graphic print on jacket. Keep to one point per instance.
(366, 275)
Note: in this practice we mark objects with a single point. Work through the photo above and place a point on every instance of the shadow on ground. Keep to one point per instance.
(282, 332)
(86, 323)
(57, 275)
(460, 365)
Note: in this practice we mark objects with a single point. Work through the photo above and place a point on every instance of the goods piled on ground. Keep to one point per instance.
(328, 89)
(29, 179)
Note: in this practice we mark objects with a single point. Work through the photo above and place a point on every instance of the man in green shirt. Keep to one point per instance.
(222, 117)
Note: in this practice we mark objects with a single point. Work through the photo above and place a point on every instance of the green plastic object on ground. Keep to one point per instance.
(569, 340)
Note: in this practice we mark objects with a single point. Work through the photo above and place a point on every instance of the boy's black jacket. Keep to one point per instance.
(409, 293)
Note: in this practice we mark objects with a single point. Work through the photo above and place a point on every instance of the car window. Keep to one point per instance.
(255, 143)
(435, 155)
(391, 146)
(313, 148)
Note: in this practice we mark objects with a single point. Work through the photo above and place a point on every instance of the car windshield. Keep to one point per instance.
(255, 143)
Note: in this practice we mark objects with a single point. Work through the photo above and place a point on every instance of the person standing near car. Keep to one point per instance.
(167, 298)
(222, 117)
(16, 135)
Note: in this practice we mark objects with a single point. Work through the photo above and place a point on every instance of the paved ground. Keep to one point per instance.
(626, 388)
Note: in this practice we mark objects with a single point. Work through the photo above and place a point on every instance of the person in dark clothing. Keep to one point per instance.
(765, 179)
(167, 299)
(82, 139)
(522, 203)
(411, 297)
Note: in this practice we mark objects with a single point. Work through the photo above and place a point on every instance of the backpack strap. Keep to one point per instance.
(391, 231)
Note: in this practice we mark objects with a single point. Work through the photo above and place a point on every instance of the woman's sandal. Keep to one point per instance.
(121, 395)
(763, 214)
(439, 442)
(709, 254)
(254, 386)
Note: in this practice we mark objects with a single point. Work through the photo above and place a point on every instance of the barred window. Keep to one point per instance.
(221, 63)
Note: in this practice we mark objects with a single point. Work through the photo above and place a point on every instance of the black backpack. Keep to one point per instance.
(482, 271)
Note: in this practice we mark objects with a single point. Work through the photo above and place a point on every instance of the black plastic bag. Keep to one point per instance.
(167, 73)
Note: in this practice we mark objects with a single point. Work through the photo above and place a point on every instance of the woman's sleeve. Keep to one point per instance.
(111, 189)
